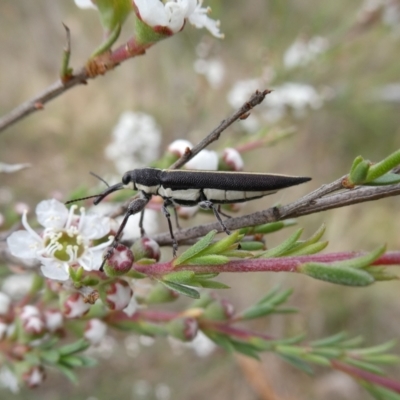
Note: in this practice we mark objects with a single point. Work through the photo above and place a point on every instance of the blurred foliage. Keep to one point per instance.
(67, 139)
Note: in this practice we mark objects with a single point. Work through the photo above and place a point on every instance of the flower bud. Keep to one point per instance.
(34, 377)
(220, 310)
(146, 248)
(160, 294)
(231, 160)
(75, 306)
(53, 320)
(178, 147)
(186, 212)
(95, 331)
(205, 160)
(32, 321)
(120, 262)
(116, 295)
(184, 329)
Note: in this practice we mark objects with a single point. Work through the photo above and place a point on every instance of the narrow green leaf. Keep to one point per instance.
(337, 274)
(359, 174)
(180, 277)
(380, 393)
(269, 295)
(206, 275)
(274, 226)
(283, 247)
(387, 359)
(88, 361)
(365, 366)
(246, 349)
(387, 179)
(68, 373)
(222, 245)
(327, 352)
(379, 349)
(50, 356)
(362, 261)
(358, 160)
(71, 361)
(256, 312)
(204, 283)
(307, 250)
(351, 343)
(330, 340)
(317, 359)
(186, 291)
(75, 347)
(242, 253)
(195, 249)
(297, 363)
(384, 166)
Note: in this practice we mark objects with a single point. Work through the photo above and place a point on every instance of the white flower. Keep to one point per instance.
(213, 70)
(302, 52)
(173, 15)
(178, 147)
(66, 240)
(85, 4)
(233, 158)
(135, 141)
(8, 379)
(205, 160)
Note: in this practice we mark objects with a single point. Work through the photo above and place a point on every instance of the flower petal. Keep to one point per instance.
(23, 245)
(54, 269)
(51, 214)
(85, 4)
(95, 226)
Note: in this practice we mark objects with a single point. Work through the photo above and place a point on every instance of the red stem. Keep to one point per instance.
(367, 376)
(282, 264)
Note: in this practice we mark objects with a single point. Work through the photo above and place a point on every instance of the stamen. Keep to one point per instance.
(81, 219)
(71, 215)
(27, 226)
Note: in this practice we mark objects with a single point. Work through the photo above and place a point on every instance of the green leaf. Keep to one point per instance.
(67, 371)
(195, 249)
(387, 359)
(307, 250)
(204, 283)
(274, 226)
(297, 363)
(245, 251)
(337, 274)
(380, 393)
(186, 291)
(358, 160)
(246, 349)
(50, 356)
(76, 347)
(71, 361)
(180, 277)
(387, 179)
(362, 261)
(379, 349)
(283, 247)
(330, 340)
(383, 166)
(88, 361)
(359, 174)
(222, 245)
(365, 366)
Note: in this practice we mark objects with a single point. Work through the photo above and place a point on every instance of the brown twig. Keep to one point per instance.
(254, 101)
(309, 204)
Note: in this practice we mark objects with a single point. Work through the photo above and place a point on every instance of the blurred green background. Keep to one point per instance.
(67, 139)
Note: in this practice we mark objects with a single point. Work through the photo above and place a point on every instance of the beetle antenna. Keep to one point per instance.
(99, 178)
(81, 198)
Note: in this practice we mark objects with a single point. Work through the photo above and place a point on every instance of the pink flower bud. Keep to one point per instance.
(75, 306)
(184, 329)
(120, 262)
(34, 377)
(186, 212)
(95, 331)
(219, 310)
(53, 320)
(32, 321)
(146, 248)
(232, 160)
(117, 294)
(178, 147)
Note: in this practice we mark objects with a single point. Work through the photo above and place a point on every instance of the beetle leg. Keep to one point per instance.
(208, 205)
(168, 216)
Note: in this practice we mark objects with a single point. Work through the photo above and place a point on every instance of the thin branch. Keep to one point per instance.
(95, 66)
(308, 204)
(256, 99)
